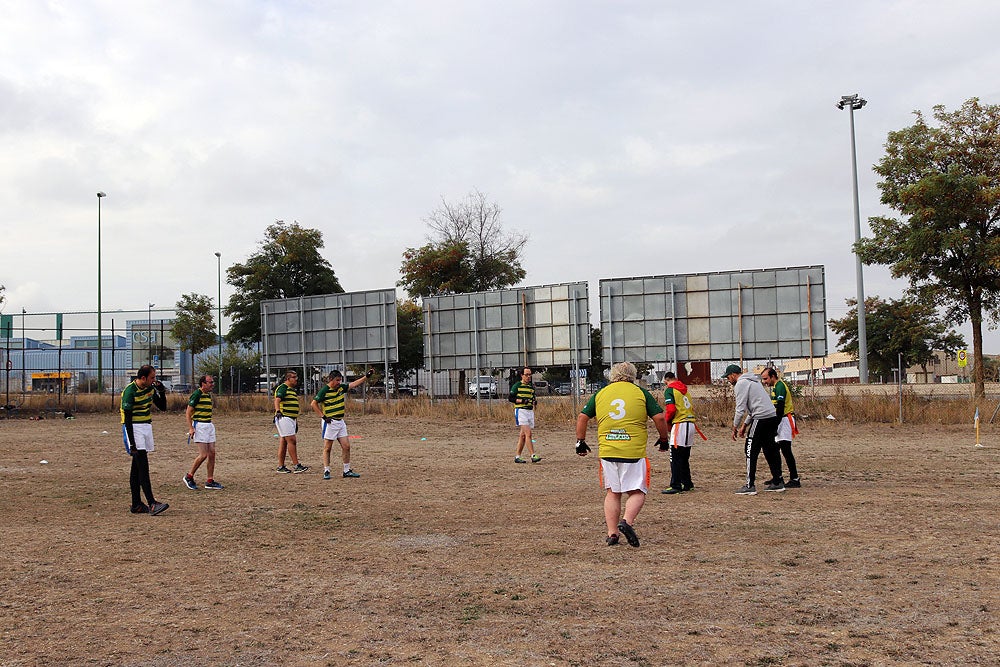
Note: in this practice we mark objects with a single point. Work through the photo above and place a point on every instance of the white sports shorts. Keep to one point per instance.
(204, 432)
(335, 430)
(621, 477)
(524, 417)
(682, 434)
(784, 429)
(143, 436)
(286, 426)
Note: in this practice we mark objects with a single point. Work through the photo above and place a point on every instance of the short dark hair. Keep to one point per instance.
(144, 371)
(203, 379)
(769, 372)
(289, 374)
(334, 375)
(669, 376)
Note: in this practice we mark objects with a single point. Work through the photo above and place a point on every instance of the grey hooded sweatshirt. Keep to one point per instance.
(752, 399)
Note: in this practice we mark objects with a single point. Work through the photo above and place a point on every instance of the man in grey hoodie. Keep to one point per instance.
(753, 404)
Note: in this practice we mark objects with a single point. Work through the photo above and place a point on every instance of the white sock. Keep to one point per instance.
(326, 468)
(347, 467)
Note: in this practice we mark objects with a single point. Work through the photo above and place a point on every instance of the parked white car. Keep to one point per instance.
(484, 385)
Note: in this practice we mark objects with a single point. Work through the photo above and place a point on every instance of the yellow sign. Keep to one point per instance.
(963, 359)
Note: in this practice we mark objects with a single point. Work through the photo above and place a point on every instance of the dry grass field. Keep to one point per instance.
(445, 552)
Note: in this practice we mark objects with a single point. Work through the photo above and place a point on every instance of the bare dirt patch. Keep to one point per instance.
(445, 552)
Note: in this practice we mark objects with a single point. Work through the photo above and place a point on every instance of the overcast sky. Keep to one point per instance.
(626, 138)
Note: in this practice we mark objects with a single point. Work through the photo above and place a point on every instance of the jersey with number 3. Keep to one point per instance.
(622, 410)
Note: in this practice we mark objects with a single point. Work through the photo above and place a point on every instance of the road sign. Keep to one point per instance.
(963, 359)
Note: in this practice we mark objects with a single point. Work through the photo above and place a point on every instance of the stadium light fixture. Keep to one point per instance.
(100, 378)
(218, 380)
(854, 103)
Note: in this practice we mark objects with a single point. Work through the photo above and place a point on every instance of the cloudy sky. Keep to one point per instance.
(626, 138)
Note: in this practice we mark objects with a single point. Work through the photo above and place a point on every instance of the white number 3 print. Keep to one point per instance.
(619, 409)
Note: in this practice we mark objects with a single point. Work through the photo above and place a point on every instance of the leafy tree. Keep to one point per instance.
(944, 180)
(908, 326)
(469, 251)
(287, 265)
(240, 369)
(410, 336)
(194, 325)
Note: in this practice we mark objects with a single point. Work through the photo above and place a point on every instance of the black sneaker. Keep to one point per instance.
(282, 470)
(778, 486)
(793, 484)
(611, 540)
(215, 486)
(139, 509)
(299, 468)
(157, 508)
(672, 490)
(518, 459)
(687, 487)
(628, 532)
(190, 483)
(351, 473)
(747, 491)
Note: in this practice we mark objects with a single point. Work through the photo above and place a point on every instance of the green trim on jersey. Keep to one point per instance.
(202, 404)
(526, 392)
(680, 400)
(139, 401)
(289, 400)
(622, 410)
(781, 391)
(333, 401)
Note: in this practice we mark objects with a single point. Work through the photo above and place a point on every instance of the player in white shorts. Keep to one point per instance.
(201, 431)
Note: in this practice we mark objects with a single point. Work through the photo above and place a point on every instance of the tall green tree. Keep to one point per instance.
(288, 264)
(194, 325)
(410, 337)
(240, 369)
(469, 251)
(907, 326)
(944, 180)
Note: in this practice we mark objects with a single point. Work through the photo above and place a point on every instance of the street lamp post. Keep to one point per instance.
(24, 345)
(218, 257)
(100, 378)
(149, 331)
(854, 103)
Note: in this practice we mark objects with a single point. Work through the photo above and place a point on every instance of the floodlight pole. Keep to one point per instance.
(854, 103)
(100, 378)
(218, 256)
(149, 330)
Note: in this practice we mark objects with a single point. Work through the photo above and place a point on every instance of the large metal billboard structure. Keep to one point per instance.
(724, 316)
(330, 330)
(526, 326)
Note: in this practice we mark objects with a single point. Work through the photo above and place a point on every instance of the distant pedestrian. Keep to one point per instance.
(201, 431)
(286, 414)
(622, 410)
(137, 401)
(753, 404)
(331, 405)
(522, 395)
(781, 397)
(679, 415)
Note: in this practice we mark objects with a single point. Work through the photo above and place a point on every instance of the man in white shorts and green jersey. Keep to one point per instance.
(331, 405)
(522, 395)
(781, 397)
(286, 414)
(622, 409)
(201, 431)
(137, 401)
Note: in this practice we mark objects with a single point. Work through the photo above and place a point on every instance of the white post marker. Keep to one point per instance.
(978, 443)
